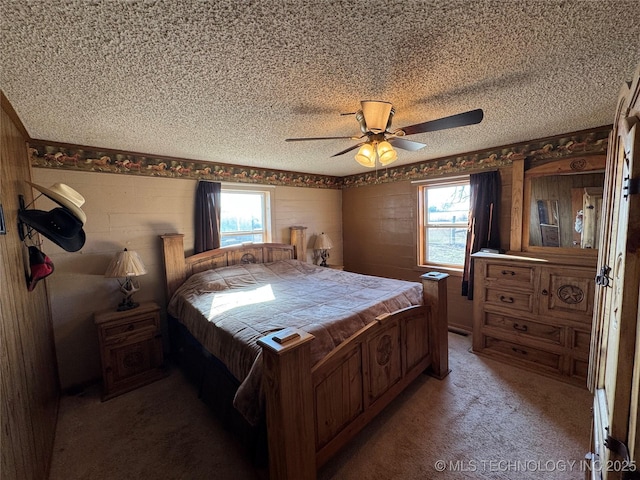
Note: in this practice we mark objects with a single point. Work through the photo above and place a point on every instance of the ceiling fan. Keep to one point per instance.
(375, 122)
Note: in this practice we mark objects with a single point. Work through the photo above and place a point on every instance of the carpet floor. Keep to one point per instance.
(486, 420)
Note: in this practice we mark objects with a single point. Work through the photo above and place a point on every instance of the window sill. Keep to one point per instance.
(452, 271)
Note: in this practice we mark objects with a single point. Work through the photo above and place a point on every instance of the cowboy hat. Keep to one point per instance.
(41, 266)
(65, 196)
(58, 225)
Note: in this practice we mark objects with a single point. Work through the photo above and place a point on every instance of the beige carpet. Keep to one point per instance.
(486, 420)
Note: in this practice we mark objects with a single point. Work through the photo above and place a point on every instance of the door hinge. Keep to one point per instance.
(631, 186)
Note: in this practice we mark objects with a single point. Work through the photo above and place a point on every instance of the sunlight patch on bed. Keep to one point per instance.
(223, 302)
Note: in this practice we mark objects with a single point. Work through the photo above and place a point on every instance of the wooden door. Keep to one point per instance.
(615, 354)
(566, 293)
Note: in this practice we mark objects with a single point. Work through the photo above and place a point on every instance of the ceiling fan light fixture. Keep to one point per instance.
(366, 156)
(386, 153)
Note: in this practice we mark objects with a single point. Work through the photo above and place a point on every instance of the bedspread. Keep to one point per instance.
(228, 309)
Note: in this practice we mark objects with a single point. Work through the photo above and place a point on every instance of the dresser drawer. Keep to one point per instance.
(523, 353)
(131, 327)
(579, 369)
(580, 342)
(513, 300)
(524, 327)
(511, 275)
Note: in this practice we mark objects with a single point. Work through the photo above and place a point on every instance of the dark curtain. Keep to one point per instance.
(483, 222)
(207, 224)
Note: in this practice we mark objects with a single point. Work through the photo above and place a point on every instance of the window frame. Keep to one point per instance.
(268, 195)
(423, 223)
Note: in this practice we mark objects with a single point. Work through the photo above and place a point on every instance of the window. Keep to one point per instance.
(444, 215)
(245, 216)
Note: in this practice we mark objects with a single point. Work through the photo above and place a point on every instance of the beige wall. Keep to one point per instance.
(319, 210)
(130, 212)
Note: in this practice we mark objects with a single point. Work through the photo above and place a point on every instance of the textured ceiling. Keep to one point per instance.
(229, 81)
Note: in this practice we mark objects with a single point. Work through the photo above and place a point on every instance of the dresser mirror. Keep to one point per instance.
(562, 206)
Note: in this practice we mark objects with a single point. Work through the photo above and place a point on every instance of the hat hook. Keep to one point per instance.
(24, 230)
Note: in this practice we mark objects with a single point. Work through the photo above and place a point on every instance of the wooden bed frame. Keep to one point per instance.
(312, 411)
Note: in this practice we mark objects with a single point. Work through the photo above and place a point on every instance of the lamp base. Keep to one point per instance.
(127, 304)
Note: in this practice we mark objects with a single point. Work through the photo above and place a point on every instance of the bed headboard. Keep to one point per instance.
(178, 268)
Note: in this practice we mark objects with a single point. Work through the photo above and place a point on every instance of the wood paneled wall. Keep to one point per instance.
(28, 377)
(380, 235)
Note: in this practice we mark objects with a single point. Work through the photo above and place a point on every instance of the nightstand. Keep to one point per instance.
(130, 348)
(336, 267)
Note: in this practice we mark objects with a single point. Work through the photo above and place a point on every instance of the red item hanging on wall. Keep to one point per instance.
(41, 266)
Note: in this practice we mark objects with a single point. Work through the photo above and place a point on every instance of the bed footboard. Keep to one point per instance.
(313, 412)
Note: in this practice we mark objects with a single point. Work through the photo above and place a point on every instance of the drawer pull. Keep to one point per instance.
(545, 292)
(520, 328)
(519, 350)
(508, 272)
(506, 299)
(130, 327)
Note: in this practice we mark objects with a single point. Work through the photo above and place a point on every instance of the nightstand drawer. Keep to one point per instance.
(511, 275)
(524, 327)
(148, 323)
(513, 300)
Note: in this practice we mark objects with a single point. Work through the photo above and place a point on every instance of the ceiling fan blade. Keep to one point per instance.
(406, 144)
(459, 120)
(318, 138)
(348, 149)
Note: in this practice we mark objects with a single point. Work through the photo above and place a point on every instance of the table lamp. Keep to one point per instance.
(323, 244)
(126, 265)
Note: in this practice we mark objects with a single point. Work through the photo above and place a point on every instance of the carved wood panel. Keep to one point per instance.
(569, 293)
(246, 255)
(385, 367)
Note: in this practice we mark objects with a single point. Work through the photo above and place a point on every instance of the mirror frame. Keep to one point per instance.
(521, 192)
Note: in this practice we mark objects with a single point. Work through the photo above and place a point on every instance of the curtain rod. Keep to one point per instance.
(454, 178)
(457, 178)
(241, 184)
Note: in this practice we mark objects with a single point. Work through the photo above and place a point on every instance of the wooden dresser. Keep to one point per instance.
(534, 314)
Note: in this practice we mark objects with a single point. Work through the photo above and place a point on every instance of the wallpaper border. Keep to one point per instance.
(586, 142)
(45, 154)
(90, 159)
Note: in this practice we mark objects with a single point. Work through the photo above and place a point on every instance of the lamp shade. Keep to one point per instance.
(125, 264)
(386, 153)
(366, 156)
(323, 242)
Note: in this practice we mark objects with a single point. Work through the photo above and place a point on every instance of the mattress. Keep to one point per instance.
(228, 309)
